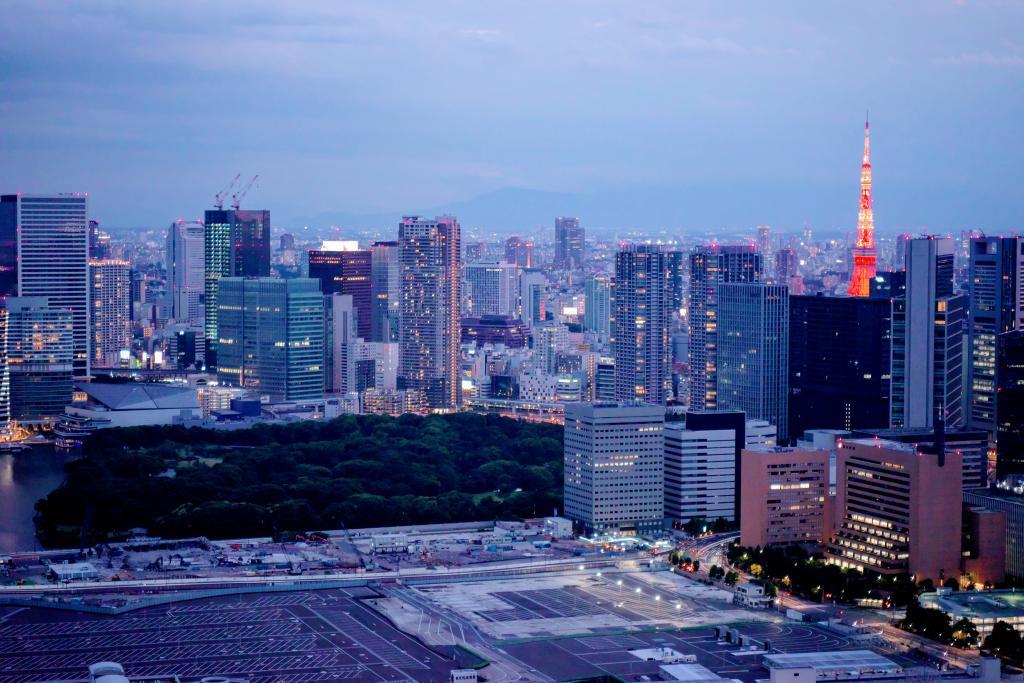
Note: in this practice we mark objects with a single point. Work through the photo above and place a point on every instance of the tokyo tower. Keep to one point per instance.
(864, 253)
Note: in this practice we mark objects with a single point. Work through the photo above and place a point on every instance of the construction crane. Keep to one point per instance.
(218, 202)
(236, 199)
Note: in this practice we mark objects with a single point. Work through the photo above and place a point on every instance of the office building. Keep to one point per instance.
(839, 355)
(272, 337)
(40, 359)
(52, 258)
(533, 294)
(711, 267)
(597, 303)
(519, 251)
(430, 326)
(186, 265)
(381, 359)
(614, 454)
(570, 239)
(1009, 501)
(236, 244)
(897, 510)
(640, 301)
(385, 287)
(785, 496)
(1010, 404)
(340, 341)
(6, 427)
(604, 380)
(702, 458)
(491, 288)
(928, 322)
(395, 402)
(785, 265)
(997, 306)
(494, 330)
(753, 351)
(343, 268)
(111, 316)
(967, 446)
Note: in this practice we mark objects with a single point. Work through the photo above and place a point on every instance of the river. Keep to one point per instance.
(25, 478)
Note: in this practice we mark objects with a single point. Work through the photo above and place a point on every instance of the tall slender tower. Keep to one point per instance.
(864, 253)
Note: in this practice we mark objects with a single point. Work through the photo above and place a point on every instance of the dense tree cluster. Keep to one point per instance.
(354, 471)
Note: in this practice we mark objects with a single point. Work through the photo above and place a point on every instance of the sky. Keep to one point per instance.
(693, 115)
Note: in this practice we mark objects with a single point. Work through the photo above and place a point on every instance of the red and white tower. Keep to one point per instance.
(864, 253)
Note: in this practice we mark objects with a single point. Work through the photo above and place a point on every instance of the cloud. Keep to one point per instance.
(1007, 60)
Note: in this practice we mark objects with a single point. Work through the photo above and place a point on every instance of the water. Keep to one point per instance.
(25, 478)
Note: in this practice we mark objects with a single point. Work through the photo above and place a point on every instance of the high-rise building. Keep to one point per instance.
(997, 306)
(702, 459)
(519, 251)
(785, 265)
(533, 294)
(382, 359)
(111, 316)
(864, 253)
(491, 288)
(785, 496)
(1010, 404)
(430, 328)
(753, 351)
(967, 446)
(928, 322)
(614, 454)
(40, 358)
(340, 340)
(839, 355)
(236, 244)
(597, 303)
(287, 241)
(710, 267)
(570, 239)
(385, 287)
(898, 510)
(640, 300)
(272, 336)
(676, 262)
(52, 234)
(495, 329)
(343, 268)
(185, 271)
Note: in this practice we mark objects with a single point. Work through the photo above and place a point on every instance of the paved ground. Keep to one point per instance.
(285, 637)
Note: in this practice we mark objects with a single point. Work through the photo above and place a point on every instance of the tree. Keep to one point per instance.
(731, 578)
(716, 572)
(965, 633)
(1005, 642)
(928, 622)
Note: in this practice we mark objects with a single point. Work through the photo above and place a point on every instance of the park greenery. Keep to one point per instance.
(276, 480)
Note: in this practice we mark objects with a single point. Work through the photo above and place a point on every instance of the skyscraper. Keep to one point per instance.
(343, 268)
(40, 356)
(272, 336)
(185, 271)
(385, 286)
(709, 268)
(839, 354)
(52, 233)
(614, 454)
(533, 289)
(676, 261)
(429, 329)
(864, 253)
(641, 303)
(997, 306)
(519, 251)
(753, 351)
(236, 244)
(1010, 404)
(928, 322)
(340, 339)
(491, 288)
(597, 301)
(111, 284)
(570, 239)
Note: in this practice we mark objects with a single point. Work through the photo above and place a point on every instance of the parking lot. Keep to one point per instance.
(289, 637)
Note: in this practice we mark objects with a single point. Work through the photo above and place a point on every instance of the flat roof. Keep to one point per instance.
(836, 660)
(983, 604)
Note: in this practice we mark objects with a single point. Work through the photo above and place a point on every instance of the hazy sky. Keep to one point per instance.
(383, 107)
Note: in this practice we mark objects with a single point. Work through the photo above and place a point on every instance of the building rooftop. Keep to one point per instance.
(834, 662)
(138, 396)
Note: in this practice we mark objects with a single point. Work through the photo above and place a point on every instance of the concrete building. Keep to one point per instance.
(614, 455)
(928, 322)
(51, 260)
(430, 327)
(1010, 404)
(111, 316)
(272, 337)
(491, 288)
(753, 351)
(570, 242)
(641, 309)
(343, 268)
(785, 496)
(395, 402)
(997, 306)
(382, 359)
(185, 263)
(597, 305)
(969, 447)
(519, 251)
(702, 459)
(495, 329)
(134, 404)
(1009, 500)
(340, 341)
(897, 510)
(549, 340)
(533, 294)
(710, 267)
(40, 359)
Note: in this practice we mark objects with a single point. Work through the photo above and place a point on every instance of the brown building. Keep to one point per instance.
(785, 496)
(897, 509)
(984, 545)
